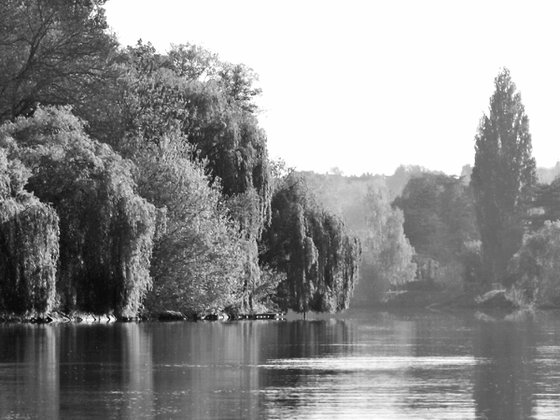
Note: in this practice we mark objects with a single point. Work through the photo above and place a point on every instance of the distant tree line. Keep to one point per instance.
(496, 223)
(494, 226)
(132, 180)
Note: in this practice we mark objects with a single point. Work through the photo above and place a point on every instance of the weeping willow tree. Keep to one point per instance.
(106, 229)
(28, 245)
(331, 259)
(312, 247)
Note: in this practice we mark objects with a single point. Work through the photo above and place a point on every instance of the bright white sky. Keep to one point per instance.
(367, 85)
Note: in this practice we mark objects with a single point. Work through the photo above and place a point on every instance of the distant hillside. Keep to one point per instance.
(547, 175)
(344, 195)
(544, 175)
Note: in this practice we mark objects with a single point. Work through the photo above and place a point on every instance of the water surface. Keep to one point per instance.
(366, 365)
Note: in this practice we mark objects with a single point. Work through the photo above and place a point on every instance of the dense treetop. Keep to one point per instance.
(53, 52)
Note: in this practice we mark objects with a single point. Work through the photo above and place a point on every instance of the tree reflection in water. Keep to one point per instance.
(29, 374)
(504, 382)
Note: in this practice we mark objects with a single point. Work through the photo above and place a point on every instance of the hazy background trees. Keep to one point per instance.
(387, 253)
(364, 204)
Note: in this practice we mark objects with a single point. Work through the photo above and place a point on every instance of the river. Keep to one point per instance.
(363, 364)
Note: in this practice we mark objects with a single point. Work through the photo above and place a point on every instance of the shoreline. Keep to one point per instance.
(162, 316)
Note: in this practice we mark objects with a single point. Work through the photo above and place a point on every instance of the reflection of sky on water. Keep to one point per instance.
(376, 363)
(373, 365)
(379, 376)
(357, 387)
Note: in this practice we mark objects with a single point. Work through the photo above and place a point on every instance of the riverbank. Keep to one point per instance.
(493, 301)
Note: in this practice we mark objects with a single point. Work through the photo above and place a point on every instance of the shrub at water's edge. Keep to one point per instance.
(534, 268)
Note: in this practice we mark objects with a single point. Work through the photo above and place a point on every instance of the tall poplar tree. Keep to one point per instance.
(503, 177)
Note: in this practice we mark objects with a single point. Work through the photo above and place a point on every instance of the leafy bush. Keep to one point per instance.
(534, 268)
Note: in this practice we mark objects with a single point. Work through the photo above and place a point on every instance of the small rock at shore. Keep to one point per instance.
(171, 316)
(496, 299)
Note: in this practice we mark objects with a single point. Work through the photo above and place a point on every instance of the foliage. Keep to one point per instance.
(439, 216)
(28, 244)
(243, 209)
(547, 175)
(198, 259)
(209, 102)
(53, 52)
(397, 182)
(106, 229)
(503, 177)
(343, 196)
(440, 221)
(263, 296)
(387, 253)
(312, 248)
(363, 204)
(188, 122)
(534, 268)
(545, 205)
(471, 258)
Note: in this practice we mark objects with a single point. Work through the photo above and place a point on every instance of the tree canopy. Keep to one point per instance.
(210, 103)
(53, 52)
